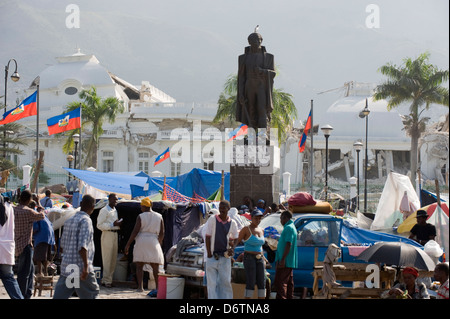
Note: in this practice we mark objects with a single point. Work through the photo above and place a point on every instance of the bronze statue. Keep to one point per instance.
(255, 83)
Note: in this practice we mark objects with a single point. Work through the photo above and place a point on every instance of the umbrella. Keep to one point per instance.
(409, 222)
(399, 254)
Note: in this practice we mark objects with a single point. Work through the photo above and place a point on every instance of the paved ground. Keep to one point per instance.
(120, 291)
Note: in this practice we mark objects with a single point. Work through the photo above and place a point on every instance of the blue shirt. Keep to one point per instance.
(78, 233)
(46, 202)
(43, 232)
(289, 235)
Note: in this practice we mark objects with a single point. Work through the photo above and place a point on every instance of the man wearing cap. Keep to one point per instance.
(422, 232)
(109, 224)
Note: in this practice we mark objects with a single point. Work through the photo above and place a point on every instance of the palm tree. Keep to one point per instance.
(8, 144)
(94, 111)
(283, 115)
(419, 83)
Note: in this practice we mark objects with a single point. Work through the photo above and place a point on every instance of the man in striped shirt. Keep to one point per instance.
(24, 217)
(441, 275)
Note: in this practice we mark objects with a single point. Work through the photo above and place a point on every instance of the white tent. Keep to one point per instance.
(440, 220)
(388, 211)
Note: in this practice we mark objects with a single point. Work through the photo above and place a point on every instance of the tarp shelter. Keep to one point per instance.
(199, 181)
(179, 221)
(109, 182)
(388, 210)
(437, 216)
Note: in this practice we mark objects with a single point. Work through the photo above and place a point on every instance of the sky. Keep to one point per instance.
(188, 48)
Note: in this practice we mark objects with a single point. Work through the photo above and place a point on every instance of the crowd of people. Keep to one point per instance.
(27, 239)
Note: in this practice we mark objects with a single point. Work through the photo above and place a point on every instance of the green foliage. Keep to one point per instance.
(94, 112)
(283, 115)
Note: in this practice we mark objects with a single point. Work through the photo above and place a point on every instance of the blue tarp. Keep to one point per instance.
(203, 182)
(355, 235)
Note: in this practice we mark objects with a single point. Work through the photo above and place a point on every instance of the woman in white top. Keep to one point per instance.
(149, 235)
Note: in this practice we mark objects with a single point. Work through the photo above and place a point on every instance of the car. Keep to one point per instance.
(314, 231)
(318, 231)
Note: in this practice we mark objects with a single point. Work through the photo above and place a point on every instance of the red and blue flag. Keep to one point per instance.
(28, 107)
(302, 142)
(162, 157)
(64, 122)
(241, 130)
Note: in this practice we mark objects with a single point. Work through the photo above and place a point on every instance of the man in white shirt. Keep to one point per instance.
(7, 249)
(221, 233)
(108, 223)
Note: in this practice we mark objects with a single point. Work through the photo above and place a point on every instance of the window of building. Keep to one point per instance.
(71, 90)
(107, 161)
(209, 166)
(175, 169)
(143, 161)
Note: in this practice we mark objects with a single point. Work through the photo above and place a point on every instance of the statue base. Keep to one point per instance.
(255, 172)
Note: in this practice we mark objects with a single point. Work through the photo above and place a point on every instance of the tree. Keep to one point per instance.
(419, 83)
(8, 144)
(283, 115)
(94, 111)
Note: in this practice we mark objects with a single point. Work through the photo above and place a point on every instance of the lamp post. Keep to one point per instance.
(326, 132)
(75, 140)
(15, 77)
(358, 147)
(365, 114)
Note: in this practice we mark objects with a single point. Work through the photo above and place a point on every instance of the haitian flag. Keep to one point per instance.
(64, 122)
(28, 107)
(162, 157)
(241, 130)
(302, 142)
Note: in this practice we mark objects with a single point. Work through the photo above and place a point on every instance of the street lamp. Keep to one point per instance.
(75, 140)
(365, 114)
(15, 77)
(358, 147)
(326, 132)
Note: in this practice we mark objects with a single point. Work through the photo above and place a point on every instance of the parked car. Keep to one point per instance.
(314, 230)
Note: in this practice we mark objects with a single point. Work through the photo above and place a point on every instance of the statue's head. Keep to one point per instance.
(255, 39)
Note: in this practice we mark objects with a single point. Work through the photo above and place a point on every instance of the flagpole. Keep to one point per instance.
(81, 123)
(37, 135)
(311, 157)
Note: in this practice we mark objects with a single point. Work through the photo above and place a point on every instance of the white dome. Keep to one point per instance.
(81, 68)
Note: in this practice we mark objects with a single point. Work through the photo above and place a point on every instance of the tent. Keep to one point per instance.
(437, 216)
(109, 182)
(388, 211)
(198, 182)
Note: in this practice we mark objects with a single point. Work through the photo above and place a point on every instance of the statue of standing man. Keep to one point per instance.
(255, 83)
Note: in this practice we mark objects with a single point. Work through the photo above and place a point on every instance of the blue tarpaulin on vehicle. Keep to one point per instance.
(360, 236)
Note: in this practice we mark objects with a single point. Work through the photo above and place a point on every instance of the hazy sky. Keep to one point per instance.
(188, 48)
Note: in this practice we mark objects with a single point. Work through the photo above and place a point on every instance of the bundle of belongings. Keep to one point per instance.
(303, 202)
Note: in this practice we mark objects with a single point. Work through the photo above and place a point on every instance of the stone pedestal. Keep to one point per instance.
(255, 172)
